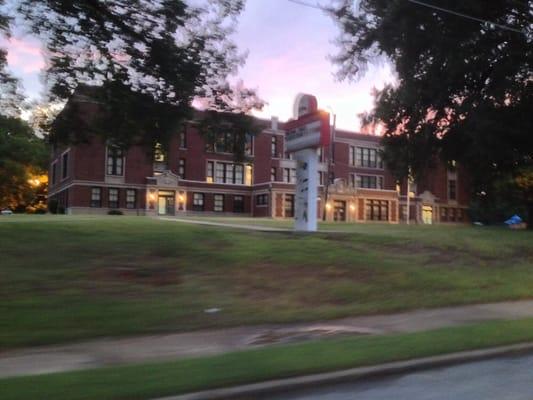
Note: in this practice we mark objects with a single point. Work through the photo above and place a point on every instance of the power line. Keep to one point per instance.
(421, 3)
(456, 13)
(303, 3)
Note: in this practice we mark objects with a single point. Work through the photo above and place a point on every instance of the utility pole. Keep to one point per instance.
(330, 162)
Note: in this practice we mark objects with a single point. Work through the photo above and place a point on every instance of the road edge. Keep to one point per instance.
(352, 374)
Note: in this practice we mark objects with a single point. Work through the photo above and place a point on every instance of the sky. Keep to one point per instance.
(288, 47)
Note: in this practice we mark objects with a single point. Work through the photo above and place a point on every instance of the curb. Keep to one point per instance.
(399, 367)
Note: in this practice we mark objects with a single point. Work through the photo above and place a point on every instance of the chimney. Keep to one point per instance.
(274, 122)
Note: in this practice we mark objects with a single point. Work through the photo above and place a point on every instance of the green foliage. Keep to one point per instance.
(118, 114)
(231, 131)
(115, 212)
(464, 90)
(150, 59)
(22, 154)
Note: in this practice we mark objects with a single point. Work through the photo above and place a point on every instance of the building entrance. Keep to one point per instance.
(166, 203)
(427, 215)
(339, 210)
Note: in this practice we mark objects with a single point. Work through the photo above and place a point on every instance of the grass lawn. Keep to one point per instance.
(171, 378)
(66, 278)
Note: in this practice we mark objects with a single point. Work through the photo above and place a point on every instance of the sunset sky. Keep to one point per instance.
(288, 47)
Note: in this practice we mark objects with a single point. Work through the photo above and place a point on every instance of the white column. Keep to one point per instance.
(305, 196)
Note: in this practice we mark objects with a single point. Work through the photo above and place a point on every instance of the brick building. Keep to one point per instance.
(193, 177)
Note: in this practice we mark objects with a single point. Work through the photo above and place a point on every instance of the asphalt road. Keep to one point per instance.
(508, 378)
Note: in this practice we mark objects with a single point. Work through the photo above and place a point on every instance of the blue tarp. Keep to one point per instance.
(515, 219)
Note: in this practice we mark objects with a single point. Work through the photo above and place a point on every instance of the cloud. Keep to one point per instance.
(24, 55)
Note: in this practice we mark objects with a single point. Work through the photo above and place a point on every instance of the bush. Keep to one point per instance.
(115, 212)
(53, 206)
(60, 209)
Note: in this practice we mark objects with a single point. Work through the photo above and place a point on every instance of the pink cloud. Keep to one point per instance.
(24, 55)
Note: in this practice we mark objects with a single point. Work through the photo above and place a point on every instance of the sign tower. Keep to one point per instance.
(308, 131)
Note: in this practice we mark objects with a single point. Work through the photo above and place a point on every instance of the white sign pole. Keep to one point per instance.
(306, 190)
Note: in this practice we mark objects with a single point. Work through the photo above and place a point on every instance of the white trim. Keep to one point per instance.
(97, 184)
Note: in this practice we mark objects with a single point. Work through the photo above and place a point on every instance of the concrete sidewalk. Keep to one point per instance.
(248, 227)
(164, 347)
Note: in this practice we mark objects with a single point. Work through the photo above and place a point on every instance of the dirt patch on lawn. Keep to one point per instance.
(146, 271)
(262, 282)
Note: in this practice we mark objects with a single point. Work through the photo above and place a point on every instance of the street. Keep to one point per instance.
(508, 378)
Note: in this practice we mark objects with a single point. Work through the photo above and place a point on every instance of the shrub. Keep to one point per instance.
(53, 206)
(115, 212)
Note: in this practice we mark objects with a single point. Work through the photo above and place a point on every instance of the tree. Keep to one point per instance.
(10, 95)
(226, 118)
(23, 158)
(150, 58)
(464, 88)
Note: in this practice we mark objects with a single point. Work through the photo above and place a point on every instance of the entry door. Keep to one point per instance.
(165, 205)
(427, 215)
(339, 211)
(170, 206)
(162, 205)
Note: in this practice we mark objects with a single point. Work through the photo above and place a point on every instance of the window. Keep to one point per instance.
(452, 189)
(249, 145)
(96, 197)
(320, 153)
(221, 176)
(228, 173)
(451, 214)
(115, 161)
(377, 210)
(210, 171)
(131, 198)
(289, 175)
(64, 166)
(239, 173)
(181, 168)
(54, 173)
(198, 202)
(367, 181)
(320, 178)
(261, 200)
(273, 174)
(274, 146)
(160, 154)
(224, 142)
(218, 202)
(365, 157)
(289, 205)
(183, 138)
(113, 198)
(238, 204)
(444, 214)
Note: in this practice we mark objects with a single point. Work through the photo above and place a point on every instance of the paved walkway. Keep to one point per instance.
(114, 351)
(226, 225)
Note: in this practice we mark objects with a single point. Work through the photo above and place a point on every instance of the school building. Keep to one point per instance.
(196, 177)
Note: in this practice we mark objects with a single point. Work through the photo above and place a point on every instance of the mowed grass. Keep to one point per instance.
(65, 278)
(149, 381)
